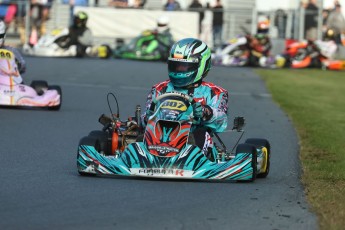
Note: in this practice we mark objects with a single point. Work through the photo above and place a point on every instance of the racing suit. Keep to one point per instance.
(81, 37)
(208, 94)
(259, 46)
(155, 40)
(12, 68)
(19, 58)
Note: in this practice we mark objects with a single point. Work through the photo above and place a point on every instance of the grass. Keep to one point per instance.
(315, 101)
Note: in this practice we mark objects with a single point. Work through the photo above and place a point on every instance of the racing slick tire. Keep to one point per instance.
(58, 89)
(39, 86)
(90, 141)
(104, 51)
(249, 148)
(103, 139)
(266, 151)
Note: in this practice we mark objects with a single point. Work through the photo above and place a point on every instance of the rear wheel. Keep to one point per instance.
(265, 147)
(39, 86)
(89, 141)
(58, 89)
(249, 148)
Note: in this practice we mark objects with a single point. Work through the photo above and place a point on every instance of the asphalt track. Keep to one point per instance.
(41, 188)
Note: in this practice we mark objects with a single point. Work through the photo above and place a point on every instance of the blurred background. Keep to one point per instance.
(113, 19)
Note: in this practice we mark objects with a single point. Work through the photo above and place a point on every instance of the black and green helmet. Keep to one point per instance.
(189, 61)
(80, 19)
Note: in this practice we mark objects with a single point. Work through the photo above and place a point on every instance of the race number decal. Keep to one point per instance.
(6, 54)
(174, 105)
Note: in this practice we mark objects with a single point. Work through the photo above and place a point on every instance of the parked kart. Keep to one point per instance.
(53, 45)
(308, 54)
(15, 94)
(146, 46)
(239, 52)
(234, 53)
(166, 148)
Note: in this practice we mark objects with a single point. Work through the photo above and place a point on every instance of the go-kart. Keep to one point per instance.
(147, 46)
(54, 45)
(310, 54)
(15, 94)
(166, 147)
(234, 53)
(237, 52)
(38, 95)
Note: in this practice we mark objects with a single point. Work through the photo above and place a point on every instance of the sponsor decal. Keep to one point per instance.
(21, 88)
(174, 104)
(161, 172)
(9, 92)
(163, 149)
(6, 54)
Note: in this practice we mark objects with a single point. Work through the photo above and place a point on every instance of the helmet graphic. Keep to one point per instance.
(189, 62)
(2, 32)
(80, 19)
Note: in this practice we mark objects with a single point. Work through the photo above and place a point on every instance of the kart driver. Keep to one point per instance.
(79, 34)
(161, 37)
(18, 67)
(189, 62)
(259, 46)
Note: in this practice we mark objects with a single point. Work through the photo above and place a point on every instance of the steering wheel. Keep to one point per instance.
(172, 94)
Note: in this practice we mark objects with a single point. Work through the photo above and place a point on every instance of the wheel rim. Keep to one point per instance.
(264, 160)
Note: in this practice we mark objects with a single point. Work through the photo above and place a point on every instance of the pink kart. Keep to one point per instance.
(38, 94)
(14, 93)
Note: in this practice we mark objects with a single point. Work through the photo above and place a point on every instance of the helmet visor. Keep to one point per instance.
(182, 66)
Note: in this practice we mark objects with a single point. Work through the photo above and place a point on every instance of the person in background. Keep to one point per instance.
(336, 23)
(79, 34)
(197, 7)
(172, 5)
(72, 4)
(118, 3)
(310, 23)
(19, 60)
(45, 13)
(217, 24)
(280, 22)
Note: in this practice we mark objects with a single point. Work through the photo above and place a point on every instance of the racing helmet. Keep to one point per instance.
(263, 24)
(329, 35)
(80, 19)
(162, 23)
(189, 62)
(2, 32)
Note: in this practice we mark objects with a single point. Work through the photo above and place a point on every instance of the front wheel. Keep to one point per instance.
(249, 148)
(264, 154)
(39, 86)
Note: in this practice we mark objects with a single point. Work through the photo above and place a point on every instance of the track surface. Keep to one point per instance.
(41, 189)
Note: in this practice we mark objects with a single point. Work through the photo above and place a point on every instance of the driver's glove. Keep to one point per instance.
(202, 111)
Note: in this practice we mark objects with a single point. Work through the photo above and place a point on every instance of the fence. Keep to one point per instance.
(284, 24)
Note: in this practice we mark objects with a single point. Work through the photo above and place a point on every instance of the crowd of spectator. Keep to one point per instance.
(332, 18)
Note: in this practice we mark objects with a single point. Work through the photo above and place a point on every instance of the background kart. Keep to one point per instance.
(14, 93)
(145, 47)
(53, 45)
(167, 149)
